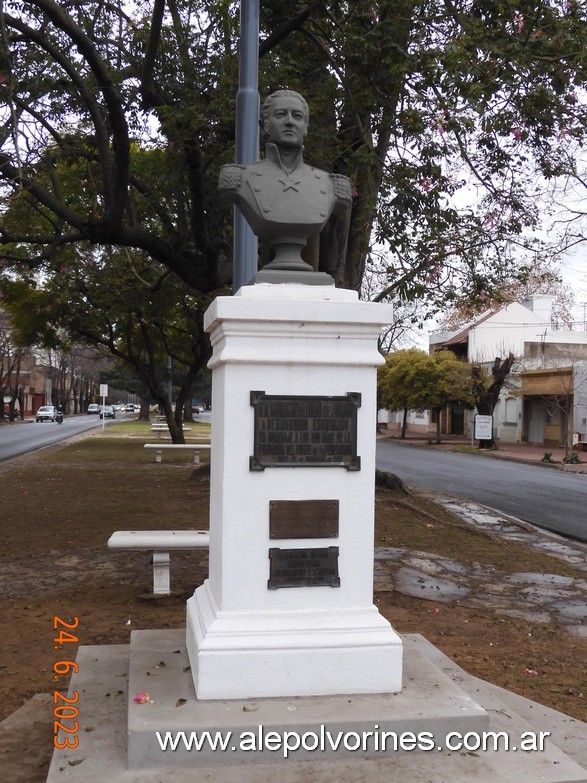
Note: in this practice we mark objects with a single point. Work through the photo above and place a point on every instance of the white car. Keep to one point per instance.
(94, 408)
(46, 413)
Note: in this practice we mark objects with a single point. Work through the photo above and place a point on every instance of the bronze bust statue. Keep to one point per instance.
(283, 199)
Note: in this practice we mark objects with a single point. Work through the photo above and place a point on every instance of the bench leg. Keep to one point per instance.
(161, 580)
(159, 455)
(196, 456)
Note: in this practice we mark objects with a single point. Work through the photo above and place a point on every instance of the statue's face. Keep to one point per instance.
(286, 125)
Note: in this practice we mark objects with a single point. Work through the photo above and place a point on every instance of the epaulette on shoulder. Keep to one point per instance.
(230, 177)
(342, 187)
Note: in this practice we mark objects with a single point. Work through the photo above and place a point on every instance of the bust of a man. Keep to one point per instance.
(284, 200)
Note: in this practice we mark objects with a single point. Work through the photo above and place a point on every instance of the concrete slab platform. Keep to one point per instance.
(568, 734)
(27, 729)
(429, 702)
(102, 684)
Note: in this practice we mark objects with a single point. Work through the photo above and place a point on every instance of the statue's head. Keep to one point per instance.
(284, 119)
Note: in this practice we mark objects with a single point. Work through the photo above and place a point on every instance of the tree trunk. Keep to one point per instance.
(438, 433)
(175, 426)
(188, 414)
(404, 423)
(486, 398)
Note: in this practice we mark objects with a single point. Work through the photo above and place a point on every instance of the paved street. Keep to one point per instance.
(29, 436)
(550, 498)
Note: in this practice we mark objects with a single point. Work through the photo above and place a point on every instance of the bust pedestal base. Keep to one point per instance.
(300, 344)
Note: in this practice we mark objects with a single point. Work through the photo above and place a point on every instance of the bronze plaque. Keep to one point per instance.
(303, 519)
(300, 431)
(303, 567)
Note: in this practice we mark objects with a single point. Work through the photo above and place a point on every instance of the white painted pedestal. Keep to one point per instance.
(243, 639)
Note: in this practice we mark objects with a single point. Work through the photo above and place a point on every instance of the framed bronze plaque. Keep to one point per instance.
(300, 431)
(303, 567)
(303, 519)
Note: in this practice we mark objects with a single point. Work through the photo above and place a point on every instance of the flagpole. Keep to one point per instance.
(247, 136)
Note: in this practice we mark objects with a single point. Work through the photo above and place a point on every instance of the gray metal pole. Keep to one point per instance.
(247, 136)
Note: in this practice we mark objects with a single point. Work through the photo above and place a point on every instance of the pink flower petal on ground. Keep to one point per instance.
(144, 697)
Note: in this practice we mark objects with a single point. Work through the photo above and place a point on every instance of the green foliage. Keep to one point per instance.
(114, 126)
(395, 380)
(124, 305)
(572, 458)
(417, 380)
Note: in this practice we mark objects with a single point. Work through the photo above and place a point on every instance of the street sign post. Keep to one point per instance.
(103, 395)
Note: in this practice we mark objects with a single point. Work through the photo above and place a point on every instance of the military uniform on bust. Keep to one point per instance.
(285, 200)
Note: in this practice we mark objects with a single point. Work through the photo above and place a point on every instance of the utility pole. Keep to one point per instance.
(244, 266)
(543, 345)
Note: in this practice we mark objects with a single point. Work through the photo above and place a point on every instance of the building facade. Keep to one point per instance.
(544, 399)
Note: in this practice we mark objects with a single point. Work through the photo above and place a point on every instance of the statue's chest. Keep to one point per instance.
(299, 197)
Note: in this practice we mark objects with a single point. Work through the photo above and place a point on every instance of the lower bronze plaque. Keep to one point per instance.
(303, 519)
(303, 567)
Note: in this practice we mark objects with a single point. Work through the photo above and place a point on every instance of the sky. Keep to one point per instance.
(575, 273)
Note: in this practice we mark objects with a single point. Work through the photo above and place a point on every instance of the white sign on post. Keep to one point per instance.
(103, 395)
(483, 427)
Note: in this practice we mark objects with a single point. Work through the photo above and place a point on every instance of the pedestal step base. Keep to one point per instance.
(290, 653)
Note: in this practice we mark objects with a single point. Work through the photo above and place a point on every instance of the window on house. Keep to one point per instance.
(510, 410)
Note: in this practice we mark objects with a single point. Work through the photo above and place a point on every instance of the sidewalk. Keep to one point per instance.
(523, 452)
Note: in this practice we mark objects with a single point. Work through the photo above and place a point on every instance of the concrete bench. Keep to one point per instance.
(160, 429)
(161, 542)
(197, 447)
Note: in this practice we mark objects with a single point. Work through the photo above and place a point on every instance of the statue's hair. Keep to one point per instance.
(266, 107)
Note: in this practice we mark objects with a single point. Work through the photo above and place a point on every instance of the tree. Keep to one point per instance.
(11, 356)
(540, 277)
(414, 379)
(86, 366)
(125, 307)
(113, 127)
(448, 380)
(398, 381)
(487, 388)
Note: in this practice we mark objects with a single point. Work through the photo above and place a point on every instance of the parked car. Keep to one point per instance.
(94, 408)
(46, 413)
(107, 412)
